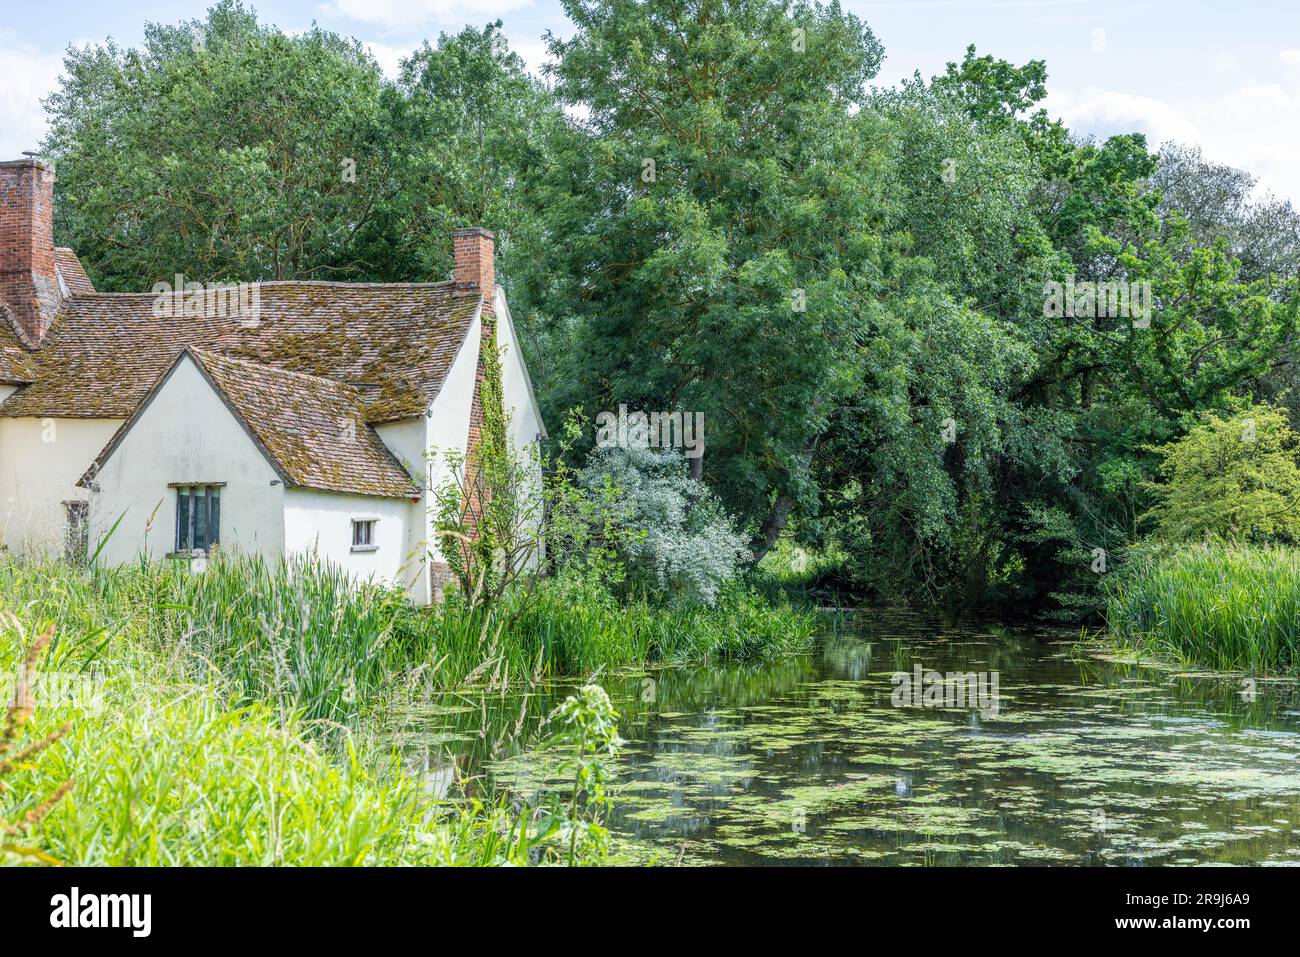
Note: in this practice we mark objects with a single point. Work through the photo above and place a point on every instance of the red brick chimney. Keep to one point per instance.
(476, 263)
(29, 283)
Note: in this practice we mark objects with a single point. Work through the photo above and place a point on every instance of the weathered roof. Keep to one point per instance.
(396, 341)
(15, 361)
(312, 430)
(71, 271)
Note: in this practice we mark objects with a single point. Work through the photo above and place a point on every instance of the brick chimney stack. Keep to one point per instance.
(29, 282)
(476, 263)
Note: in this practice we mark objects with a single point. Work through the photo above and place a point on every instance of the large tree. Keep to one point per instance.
(221, 149)
(713, 220)
(226, 149)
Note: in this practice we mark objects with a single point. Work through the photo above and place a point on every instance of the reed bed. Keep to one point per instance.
(1218, 606)
(232, 708)
(565, 628)
(300, 635)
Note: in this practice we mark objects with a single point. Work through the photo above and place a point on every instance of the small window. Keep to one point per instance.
(363, 535)
(198, 518)
(76, 533)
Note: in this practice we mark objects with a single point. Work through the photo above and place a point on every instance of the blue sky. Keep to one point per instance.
(1223, 75)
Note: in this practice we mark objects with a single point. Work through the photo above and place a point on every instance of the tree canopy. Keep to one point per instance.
(925, 324)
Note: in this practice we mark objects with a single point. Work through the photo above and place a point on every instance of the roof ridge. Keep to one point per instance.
(327, 283)
(202, 354)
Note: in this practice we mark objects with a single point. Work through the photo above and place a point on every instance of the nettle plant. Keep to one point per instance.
(586, 733)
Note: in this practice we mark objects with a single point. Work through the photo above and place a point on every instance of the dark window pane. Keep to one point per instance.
(200, 507)
(182, 519)
(214, 516)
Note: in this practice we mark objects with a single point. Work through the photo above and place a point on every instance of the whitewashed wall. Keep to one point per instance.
(447, 424)
(517, 395)
(407, 439)
(186, 434)
(40, 463)
(320, 524)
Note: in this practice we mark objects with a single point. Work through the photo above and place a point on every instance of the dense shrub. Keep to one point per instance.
(1233, 479)
(676, 541)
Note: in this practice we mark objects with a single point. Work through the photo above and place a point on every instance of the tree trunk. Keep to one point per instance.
(772, 527)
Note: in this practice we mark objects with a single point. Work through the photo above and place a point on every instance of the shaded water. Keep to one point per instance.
(808, 760)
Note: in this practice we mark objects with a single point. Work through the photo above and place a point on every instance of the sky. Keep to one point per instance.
(1225, 76)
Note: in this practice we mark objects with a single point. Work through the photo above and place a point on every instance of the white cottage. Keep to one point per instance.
(298, 420)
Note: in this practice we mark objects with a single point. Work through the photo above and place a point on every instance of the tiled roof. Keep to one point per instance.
(312, 430)
(15, 361)
(396, 342)
(71, 271)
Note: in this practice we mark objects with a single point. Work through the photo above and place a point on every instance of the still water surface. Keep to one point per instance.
(1079, 761)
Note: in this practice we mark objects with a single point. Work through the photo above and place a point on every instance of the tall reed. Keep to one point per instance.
(1218, 606)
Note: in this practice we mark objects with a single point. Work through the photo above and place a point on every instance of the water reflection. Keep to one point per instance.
(1084, 761)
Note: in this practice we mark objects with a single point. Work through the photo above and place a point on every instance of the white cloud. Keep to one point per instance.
(26, 76)
(1255, 126)
(389, 58)
(1106, 112)
(409, 14)
(534, 53)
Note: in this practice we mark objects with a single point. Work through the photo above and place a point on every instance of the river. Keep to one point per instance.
(829, 758)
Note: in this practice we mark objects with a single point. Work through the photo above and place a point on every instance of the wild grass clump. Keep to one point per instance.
(295, 633)
(1217, 606)
(565, 626)
(301, 636)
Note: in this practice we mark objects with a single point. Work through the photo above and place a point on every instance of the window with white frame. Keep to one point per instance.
(363, 534)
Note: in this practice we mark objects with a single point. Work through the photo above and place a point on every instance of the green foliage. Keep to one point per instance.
(571, 625)
(1227, 607)
(171, 770)
(676, 286)
(293, 632)
(670, 533)
(707, 210)
(175, 159)
(587, 731)
(227, 150)
(1230, 479)
(487, 515)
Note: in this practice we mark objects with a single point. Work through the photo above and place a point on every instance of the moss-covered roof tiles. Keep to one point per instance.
(312, 430)
(395, 342)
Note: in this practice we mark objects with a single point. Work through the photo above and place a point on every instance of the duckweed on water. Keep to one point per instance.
(1085, 762)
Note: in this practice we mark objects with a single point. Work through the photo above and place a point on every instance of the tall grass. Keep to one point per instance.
(300, 635)
(567, 628)
(1218, 606)
(168, 773)
(223, 730)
